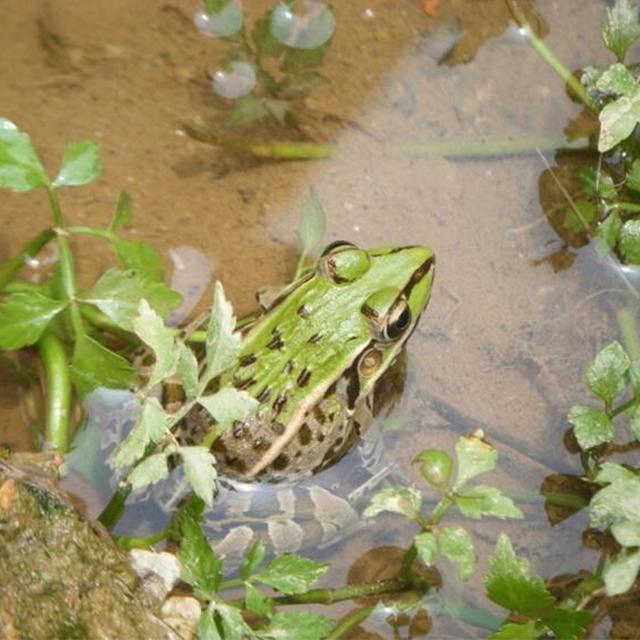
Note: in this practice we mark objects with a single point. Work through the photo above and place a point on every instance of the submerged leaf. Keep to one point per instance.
(629, 242)
(404, 500)
(620, 573)
(615, 503)
(151, 470)
(621, 28)
(297, 625)
(199, 467)
(199, 565)
(475, 457)
(607, 376)
(484, 501)
(591, 427)
(291, 574)
(80, 165)
(24, 317)
(456, 545)
(618, 119)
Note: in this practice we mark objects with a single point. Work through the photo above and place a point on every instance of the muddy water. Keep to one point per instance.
(505, 339)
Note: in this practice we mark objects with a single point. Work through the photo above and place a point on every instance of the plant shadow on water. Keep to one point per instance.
(384, 101)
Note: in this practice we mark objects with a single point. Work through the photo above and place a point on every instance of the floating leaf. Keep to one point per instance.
(404, 500)
(151, 470)
(291, 574)
(199, 565)
(475, 457)
(297, 625)
(20, 167)
(199, 467)
(616, 80)
(313, 223)
(24, 317)
(456, 545)
(610, 472)
(615, 503)
(620, 573)
(427, 547)
(222, 343)
(486, 501)
(591, 427)
(510, 585)
(607, 376)
(80, 165)
(627, 533)
(621, 28)
(618, 119)
(93, 366)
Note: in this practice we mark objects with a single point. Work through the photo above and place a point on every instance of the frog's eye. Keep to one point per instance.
(344, 263)
(336, 246)
(398, 320)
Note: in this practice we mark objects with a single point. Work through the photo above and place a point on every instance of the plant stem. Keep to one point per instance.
(351, 620)
(629, 330)
(625, 206)
(58, 384)
(10, 268)
(547, 54)
(126, 542)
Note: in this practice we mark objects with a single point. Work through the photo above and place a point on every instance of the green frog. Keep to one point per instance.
(313, 358)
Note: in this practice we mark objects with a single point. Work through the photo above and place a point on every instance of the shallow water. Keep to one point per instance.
(504, 341)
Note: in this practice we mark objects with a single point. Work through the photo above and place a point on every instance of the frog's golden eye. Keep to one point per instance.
(370, 362)
(398, 320)
(344, 263)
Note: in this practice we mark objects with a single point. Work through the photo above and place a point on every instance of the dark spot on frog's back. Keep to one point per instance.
(246, 360)
(240, 384)
(303, 378)
(279, 403)
(278, 428)
(264, 395)
(304, 435)
(260, 445)
(304, 311)
(315, 338)
(281, 462)
(318, 414)
(276, 343)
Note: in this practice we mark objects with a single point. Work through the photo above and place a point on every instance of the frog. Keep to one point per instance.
(313, 357)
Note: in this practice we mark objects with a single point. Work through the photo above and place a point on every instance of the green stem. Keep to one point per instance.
(628, 328)
(20, 286)
(547, 54)
(623, 407)
(350, 621)
(58, 381)
(126, 542)
(11, 267)
(625, 206)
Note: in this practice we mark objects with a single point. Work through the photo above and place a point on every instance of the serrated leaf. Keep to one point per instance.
(610, 472)
(222, 343)
(229, 405)
(621, 28)
(616, 80)
(627, 533)
(150, 328)
(123, 214)
(149, 471)
(24, 317)
(607, 233)
(456, 545)
(199, 467)
(514, 631)
(510, 585)
(615, 503)
(291, 574)
(188, 370)
(475, 456)
(313, 223)
(94, 366)
(301, 625)
(591, 427)
(256, 601)
(404, 500)
(199, 565)
(20, 167)
(629, 242)
(618, 119)
(427, 547)
(192, 508)
(620, 573)
(150, 427)
(118, 293)
(252, 559)
(484, 501)
(140, 257)
(80, 165)
(567, 624)
(207, 627)
(607, 376)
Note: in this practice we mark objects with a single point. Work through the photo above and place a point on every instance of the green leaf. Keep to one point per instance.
(291, 574)
(123, 213)
(302, 83)
(80, 165)
(615, 503)
(150, 328)
(266, 44)
(228, 405)
(150, 427)
(199, 467)
(187, 369)
(435, 466)
(118, 294)
(301, 625)
(302, 60)
(616, 80)
(192, 508)
(24, 317)
(277, 108)
(567, 624)
(620, 573)
(256, 601)
(404, 500)
(621, 28)
(607, 233)
(149, 471)
(231, 622)
(618, 119)
(427, 547)
(94, 366)
(199, 565)
(487, 501)
(222, 343)
(633, 176)
(607, 375)
(475, 456)
(248, 109)
(252, 559)
(514, 631)
(629, 242)
(510, 585)
(313, 223)
(610, 472)
(139, 256)
(207, 626)
(20, 167)
(627, 533)
(591, 427)
(580, 216)
(456, 545)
